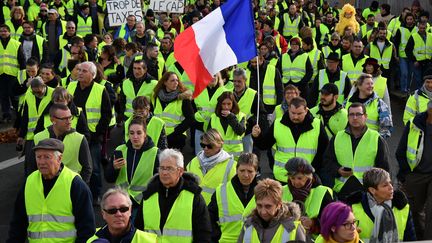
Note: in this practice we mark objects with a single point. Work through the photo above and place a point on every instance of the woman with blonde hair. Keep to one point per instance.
(213, 165)
(272, 220)
(172, 103)
(17, 15)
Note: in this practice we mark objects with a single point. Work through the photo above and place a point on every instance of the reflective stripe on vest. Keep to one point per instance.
(422, 49)
(209, 180)
(287, 148)
(146, 90)
(415, 145)
(84, 26)
(50, 218)
(172, 114)
(313, 201)
(360, 160)
(404, 37)
(416, 103)
(384, 57)
(313, 57)
(290, 28)
(281, 235)
(232, 141)
(323, 79)
(72, 142)
(35, 112)
(245, 102)
(293, 70)
(367, 225)
(354, 71)
(178, 226)
(92, 105)
(14, 33)
(206, 105)
(269, 89)
(231, 212)
(9, 59)
(142, 174)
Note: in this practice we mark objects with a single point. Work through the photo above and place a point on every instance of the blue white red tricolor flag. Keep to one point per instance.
(223, 38)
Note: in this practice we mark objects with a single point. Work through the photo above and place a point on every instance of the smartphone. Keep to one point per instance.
(118, 154)
(347, 169)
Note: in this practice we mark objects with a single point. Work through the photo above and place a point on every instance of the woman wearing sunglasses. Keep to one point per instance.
(230, 123)
(135, 162)
(116, 211)
(213, 165)
(384, 214)
(338, 225)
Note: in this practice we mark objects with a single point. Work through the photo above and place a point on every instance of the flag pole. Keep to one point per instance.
(258, 90)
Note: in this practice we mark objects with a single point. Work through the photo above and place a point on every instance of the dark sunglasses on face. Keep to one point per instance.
(203, 145)
(114, 210)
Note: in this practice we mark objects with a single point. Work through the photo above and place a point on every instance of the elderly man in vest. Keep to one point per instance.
(172, 205)
(296, 134)
(76, 155)
(36, 106)
(94, 101)
(331, 74)
(54, 204)
(418, 101)
(355, 150)
(415, 169)
(418, 50)
(12, 60)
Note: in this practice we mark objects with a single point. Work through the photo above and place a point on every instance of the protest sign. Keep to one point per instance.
(119, 10)
(171, 6)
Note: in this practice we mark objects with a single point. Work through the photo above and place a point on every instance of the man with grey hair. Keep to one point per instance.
(172, 205)
(93, 99)
(247, 99)
(116, 209)
(68, 35)
(55, 203)
(36, 106)
(415, 169)
(383, 213)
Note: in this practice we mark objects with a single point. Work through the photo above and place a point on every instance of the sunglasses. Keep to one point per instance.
(114, 210)
(203, 145)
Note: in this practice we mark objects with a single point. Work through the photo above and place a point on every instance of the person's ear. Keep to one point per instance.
(371, 190)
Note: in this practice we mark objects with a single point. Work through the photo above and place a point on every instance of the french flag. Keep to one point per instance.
(223, 38)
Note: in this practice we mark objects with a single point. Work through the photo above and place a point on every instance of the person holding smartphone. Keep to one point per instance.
(135, 162)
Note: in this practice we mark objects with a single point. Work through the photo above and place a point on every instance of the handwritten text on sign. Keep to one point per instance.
(171, 6)
(119, 10)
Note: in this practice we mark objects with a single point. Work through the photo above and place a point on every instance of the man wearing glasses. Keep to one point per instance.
(116, 211)
(172, 205)
(355, 150)
(76, 155)
(55, 204)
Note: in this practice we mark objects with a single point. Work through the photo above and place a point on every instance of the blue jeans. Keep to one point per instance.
(96, 177)
(417, 75)
(406, 73)
(247, 143)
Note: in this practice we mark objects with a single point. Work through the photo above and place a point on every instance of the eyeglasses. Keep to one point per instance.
(350, 225)
(167, 169)
(203, 145)
(358, 114)
(114, 210)
(70, 28)
(68, 118)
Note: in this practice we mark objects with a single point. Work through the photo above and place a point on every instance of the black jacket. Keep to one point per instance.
(103, 233)
(82, 210)
(213, 209)
(201, 227)
(35, 48)
(267, 139)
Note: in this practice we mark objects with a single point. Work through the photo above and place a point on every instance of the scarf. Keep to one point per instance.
(385, 229)
(355, 240)
(167, 97)
(207, 163)
(300, 194)
(426, 91)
